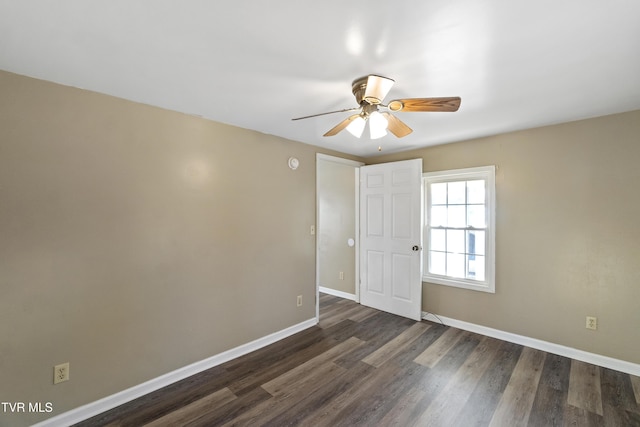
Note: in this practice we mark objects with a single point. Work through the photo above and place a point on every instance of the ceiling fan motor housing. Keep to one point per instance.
(358, 88)
(367, 109)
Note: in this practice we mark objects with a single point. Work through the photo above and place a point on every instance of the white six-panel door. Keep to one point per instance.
(391, 237)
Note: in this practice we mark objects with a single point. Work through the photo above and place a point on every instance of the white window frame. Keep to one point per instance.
(486, 173)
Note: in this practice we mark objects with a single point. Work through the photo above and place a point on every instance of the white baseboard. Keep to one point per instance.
(335, 293)
(573, 353)
(99, 406)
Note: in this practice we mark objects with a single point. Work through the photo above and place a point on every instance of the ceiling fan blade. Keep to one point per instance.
(397, 126)
(330, 112)
(425, 104)
(340, 126)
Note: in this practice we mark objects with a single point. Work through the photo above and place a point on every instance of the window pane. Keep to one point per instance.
(439, 194)
(437, 263)
(456, 193)
(475, 216)
(455, 241)
(438, 216)
(475, 242)
(475, 191)
(476, 267)
(438, 242)
(456, 216)
(455, 265)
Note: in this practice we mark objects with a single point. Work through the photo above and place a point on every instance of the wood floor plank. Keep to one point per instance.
(341, 331)
(231, 410)
(327, 413)
(453, 397)
(483, 401)
(303, 381)
(194, 410)
(377, 397)
(584, 387)
(553, 389)
(429, 382)
(396, 345)
(336, 309)
(619, 405)
(339, 316)
(617, 389)
(436, 379)
(515, 405)
(161, 402)
(362, 314)
(417, 347)
(406, 410)
(255, 415)
(382, 327)
(635, 383)
(318, 406)
(269, 355)
(438, 349)
(302, 372)
(284, 398)
(326, 300)
(631, 418)
(578, 417)
(375, 331)
(259, 371)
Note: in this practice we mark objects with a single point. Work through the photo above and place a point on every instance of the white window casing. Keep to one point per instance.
(459, 228)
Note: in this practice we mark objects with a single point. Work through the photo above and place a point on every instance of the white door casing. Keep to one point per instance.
(391, 237)
(353, 208)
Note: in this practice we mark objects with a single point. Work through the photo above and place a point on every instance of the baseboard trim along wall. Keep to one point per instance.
(99, 406)
(573, 353)
(335, 293)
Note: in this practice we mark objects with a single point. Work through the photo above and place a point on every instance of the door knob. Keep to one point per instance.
(415, 248)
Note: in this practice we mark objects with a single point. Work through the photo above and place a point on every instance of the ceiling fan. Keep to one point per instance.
(369, 92)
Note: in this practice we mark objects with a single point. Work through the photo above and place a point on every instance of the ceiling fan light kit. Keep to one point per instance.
(356, 126)
(377, 125)
(370, 91)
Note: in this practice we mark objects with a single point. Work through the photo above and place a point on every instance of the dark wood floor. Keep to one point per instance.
(362, 367)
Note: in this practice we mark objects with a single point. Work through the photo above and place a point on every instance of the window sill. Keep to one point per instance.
(461, 283)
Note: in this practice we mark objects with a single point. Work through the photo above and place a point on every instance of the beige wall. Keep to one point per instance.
(336, 224)
(135, 241)
(568, 233)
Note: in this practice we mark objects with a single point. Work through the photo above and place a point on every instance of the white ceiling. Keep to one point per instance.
(257, 64)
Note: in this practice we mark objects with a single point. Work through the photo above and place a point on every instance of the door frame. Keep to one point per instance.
(327, 158)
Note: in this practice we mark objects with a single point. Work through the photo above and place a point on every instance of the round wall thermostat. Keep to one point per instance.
(293, 163)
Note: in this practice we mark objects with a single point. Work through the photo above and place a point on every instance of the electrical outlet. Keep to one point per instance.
(299, 301)
(61, 373)
(592, 323)
(342, 275)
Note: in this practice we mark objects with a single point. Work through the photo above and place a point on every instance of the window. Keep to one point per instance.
(459, 228)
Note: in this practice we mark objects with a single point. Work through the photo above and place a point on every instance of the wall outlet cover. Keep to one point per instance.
(61, 373)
